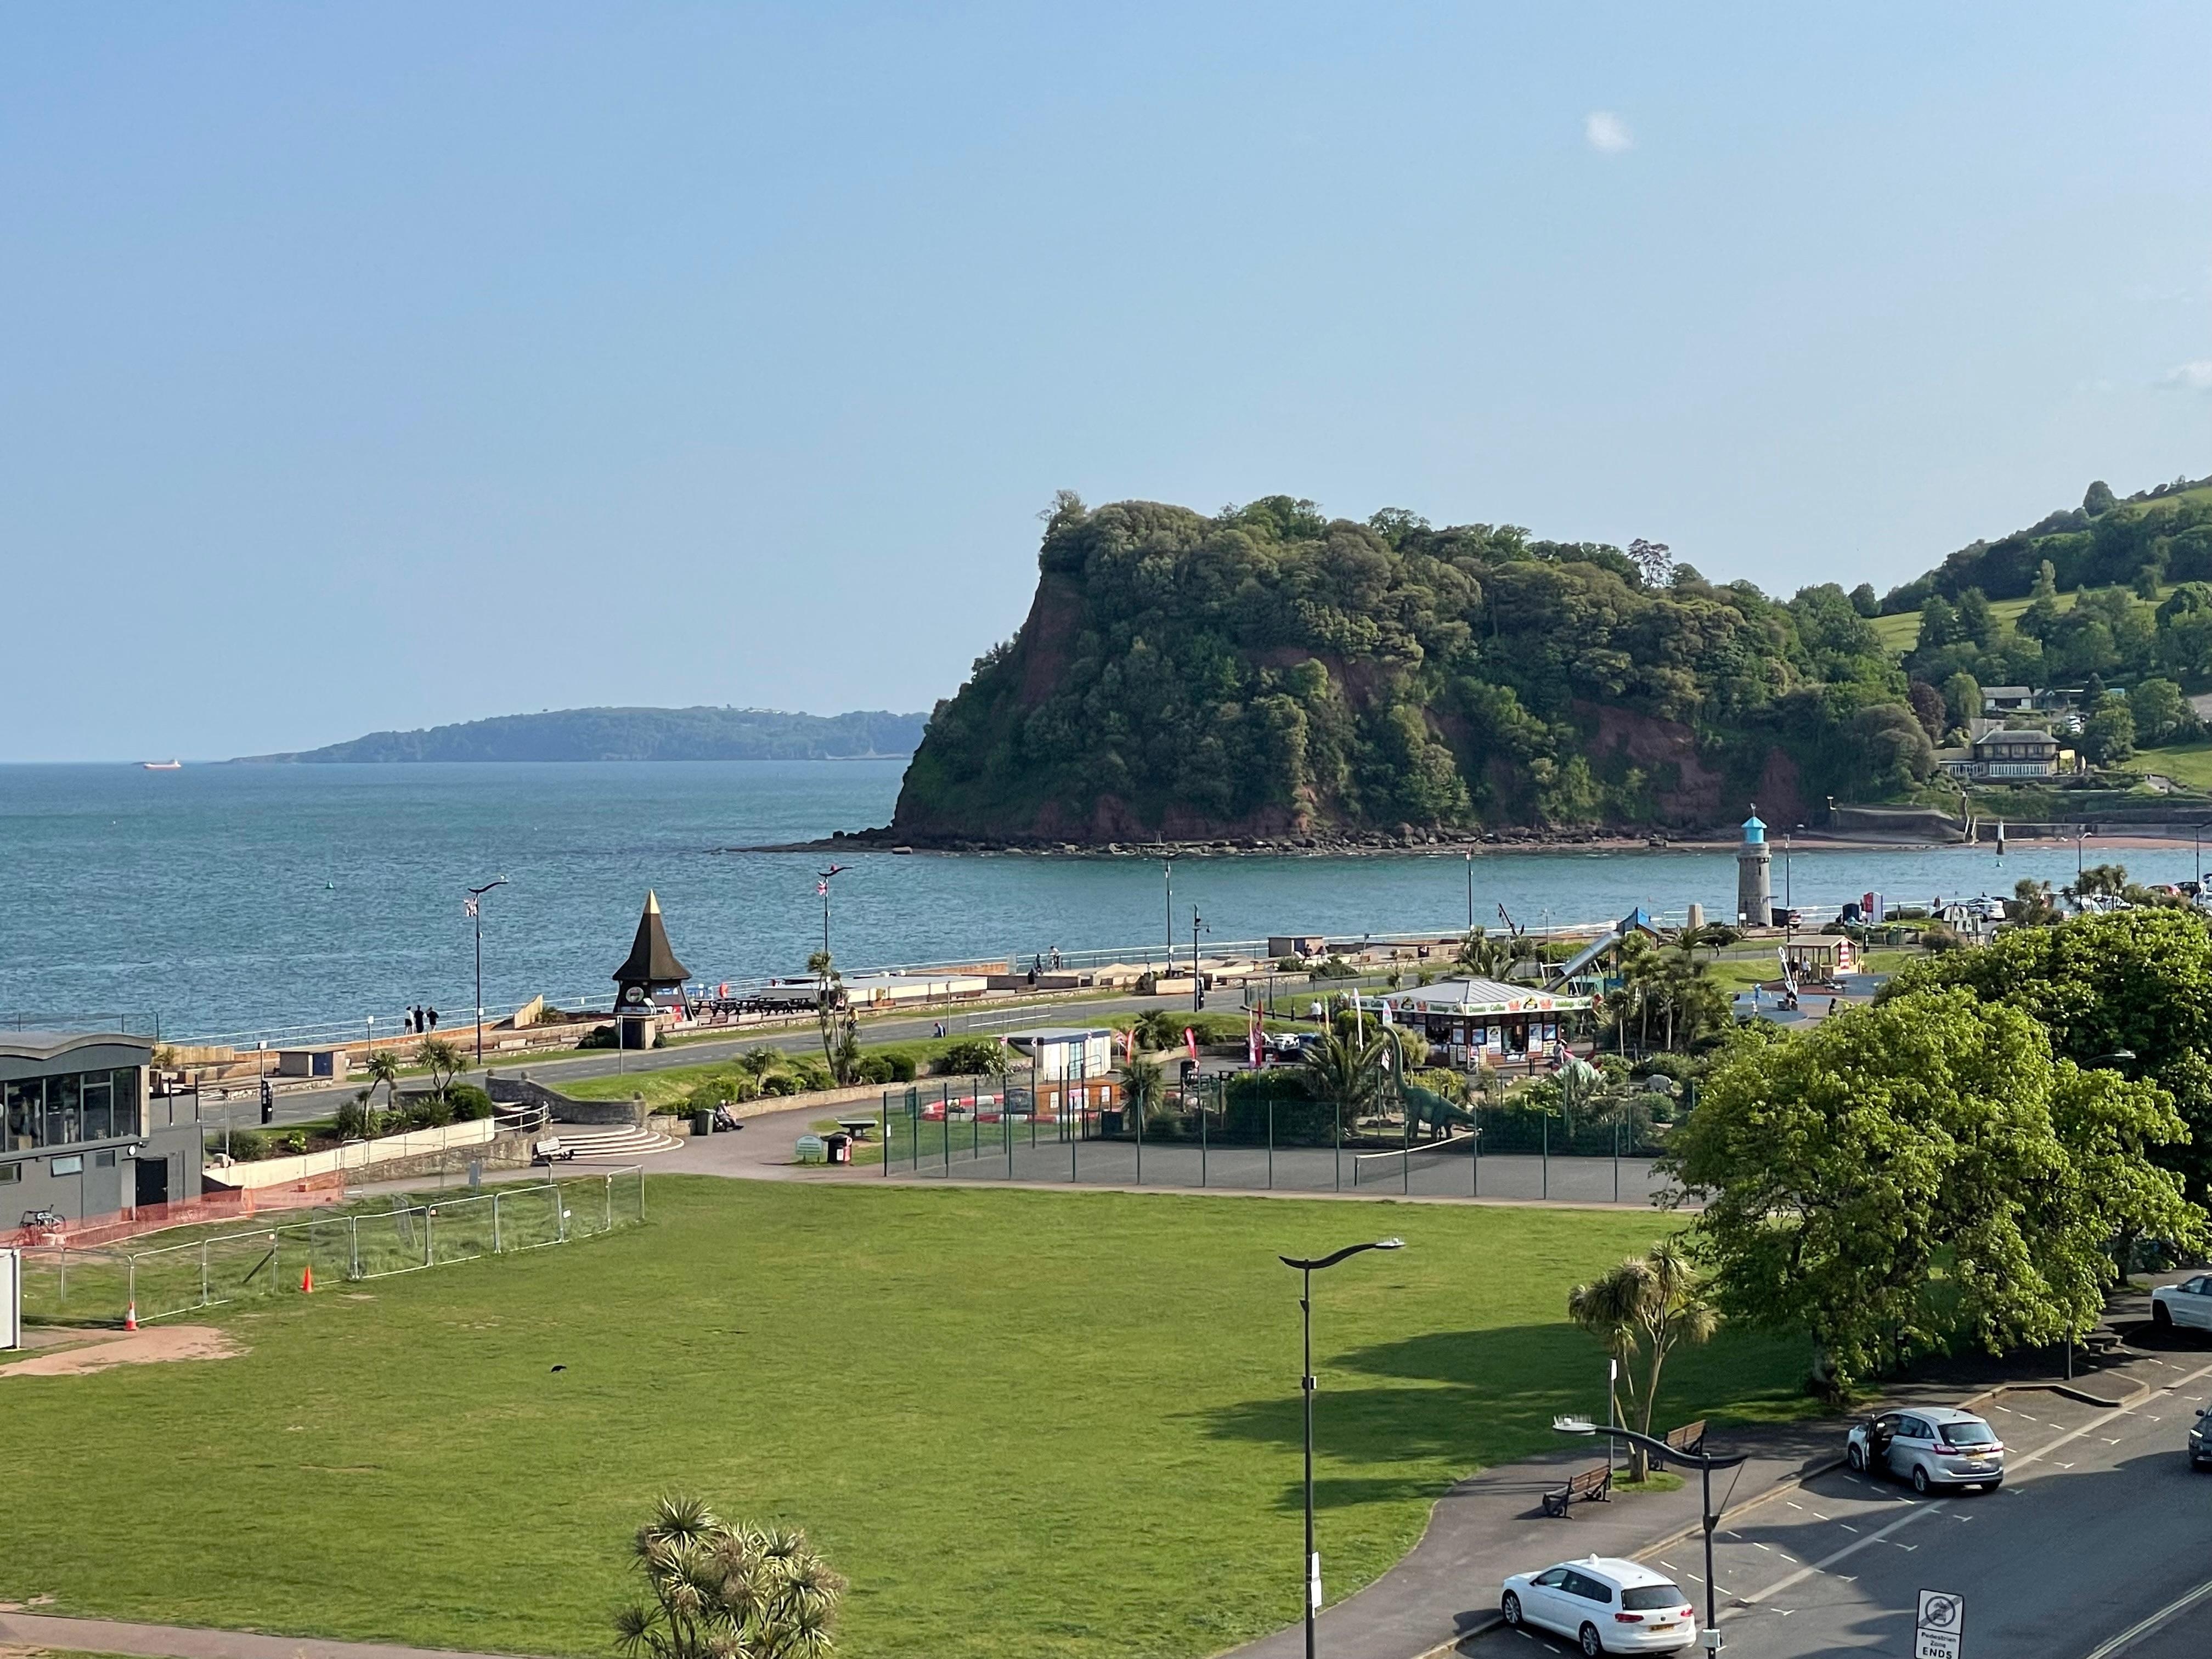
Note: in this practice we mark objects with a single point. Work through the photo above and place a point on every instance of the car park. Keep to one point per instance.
(1604, 1605)
(1929, 1446)
(2188, 1304)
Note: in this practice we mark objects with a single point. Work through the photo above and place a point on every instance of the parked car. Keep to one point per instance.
(1930, 1446)
(2200, 1440)
(2189, 1302)
(1608, 1606)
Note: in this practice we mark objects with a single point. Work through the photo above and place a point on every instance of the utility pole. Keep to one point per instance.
(1470, 890)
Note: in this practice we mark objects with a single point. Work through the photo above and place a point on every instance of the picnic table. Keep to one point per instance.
(857, 1128)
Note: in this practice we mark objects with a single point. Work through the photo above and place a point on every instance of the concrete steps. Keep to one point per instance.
(605, 1144)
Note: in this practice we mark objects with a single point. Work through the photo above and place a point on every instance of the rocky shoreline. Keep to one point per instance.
(1323, 844)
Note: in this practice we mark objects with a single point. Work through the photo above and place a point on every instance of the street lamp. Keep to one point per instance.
(1704, 1462)
(1197, 980)
(476, 915)
(1470, 890)
(1306, 1269)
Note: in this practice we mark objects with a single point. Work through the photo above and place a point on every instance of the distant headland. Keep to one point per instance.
(633, 734)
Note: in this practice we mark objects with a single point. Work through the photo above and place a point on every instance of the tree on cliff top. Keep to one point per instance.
(1272, 668)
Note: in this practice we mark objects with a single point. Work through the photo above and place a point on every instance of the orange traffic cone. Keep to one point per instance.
(131, 1315)
(308, 1280)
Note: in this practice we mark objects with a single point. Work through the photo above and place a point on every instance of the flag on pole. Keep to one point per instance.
(1190, 1040)
(822, 888)
(469, 906)
(1254, 1042)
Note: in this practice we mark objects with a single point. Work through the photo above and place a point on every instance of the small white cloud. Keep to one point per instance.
(2190, 377)
(1607, 134)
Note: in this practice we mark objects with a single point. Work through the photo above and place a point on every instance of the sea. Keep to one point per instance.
(275, 903)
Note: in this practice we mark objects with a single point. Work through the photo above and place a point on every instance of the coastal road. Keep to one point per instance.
(304, 1105)
(2101, 1530)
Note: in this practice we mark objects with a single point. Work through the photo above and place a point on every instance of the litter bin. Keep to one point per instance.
(839, 1147)
(702, 1124)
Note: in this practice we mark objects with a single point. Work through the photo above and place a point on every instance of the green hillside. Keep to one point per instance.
(627, 734)
(1266, 671)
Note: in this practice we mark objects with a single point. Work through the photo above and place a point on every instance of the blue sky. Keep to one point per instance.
(371, 367)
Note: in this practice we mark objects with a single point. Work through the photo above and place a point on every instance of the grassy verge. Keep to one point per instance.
(1035, 1423)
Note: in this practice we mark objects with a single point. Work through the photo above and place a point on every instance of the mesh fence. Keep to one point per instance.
(370, 1240)
(1255, 1138)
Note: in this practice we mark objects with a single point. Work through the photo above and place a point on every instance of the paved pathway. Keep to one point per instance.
(37, 1630)
(1493, 1523)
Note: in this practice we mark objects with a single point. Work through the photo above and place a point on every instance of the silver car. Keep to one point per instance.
(1931, 1446)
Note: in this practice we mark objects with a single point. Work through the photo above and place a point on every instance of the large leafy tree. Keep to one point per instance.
(2124, 983)
(716, 1590)
(1918, 1175)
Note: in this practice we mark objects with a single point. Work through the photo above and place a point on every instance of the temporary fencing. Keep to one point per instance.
(102, 1284)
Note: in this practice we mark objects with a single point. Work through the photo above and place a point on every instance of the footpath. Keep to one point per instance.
(37, 1630)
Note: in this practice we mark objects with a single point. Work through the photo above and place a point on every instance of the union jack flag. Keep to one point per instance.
(469, 906)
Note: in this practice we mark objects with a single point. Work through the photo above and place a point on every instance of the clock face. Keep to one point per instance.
(635, 993)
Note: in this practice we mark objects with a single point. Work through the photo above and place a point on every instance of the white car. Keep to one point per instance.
(1608, 1606)
(1931, 1446)
(2189, 1302)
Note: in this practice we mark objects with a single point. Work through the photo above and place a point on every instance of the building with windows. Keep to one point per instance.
(2003, 754)
(1472, 1022)
(77, 1134)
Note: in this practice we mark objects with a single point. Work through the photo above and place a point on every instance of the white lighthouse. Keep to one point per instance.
(1754, 885)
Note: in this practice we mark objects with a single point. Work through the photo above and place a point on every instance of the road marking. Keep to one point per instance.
(2144, 1627)
(1829, 1560)
(1847, 1526)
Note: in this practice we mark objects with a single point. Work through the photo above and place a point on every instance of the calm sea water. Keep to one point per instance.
(227, 900)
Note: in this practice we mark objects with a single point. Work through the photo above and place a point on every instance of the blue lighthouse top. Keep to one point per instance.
(1754, 832)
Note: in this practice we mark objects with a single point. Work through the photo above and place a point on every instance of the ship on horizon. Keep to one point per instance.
(163, 766)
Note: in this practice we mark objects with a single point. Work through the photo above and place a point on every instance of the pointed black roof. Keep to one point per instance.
(650, 962)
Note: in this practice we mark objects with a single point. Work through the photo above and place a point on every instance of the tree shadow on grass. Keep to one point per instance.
(1483, 1397)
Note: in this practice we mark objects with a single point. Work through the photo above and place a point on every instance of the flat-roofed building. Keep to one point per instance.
(79, 1134)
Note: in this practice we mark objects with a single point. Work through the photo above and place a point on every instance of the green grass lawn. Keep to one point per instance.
(1024, 1423)
(1900, 633)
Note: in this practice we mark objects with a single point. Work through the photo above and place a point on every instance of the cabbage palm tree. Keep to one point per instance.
(383, 1066)
(1144, 1085)
(720, 1591)
(1342, 1069)
(1642, 1311)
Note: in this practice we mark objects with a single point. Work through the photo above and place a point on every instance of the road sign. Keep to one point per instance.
(1941, 1627)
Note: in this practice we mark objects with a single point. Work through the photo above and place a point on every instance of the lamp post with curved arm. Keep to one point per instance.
(1306, 1269)
(1704, 1462)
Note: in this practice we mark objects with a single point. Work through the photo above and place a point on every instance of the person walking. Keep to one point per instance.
(431, 1014)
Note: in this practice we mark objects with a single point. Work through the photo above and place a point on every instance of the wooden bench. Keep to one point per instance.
(1595, 1482)
(1690, 1437)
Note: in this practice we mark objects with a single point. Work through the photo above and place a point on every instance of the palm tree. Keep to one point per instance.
(1342, 1069)
(1643, 1309)
(1144, 1085)
(441, 1060)
(720, 1591)
(1482, 956)
(1580, 1084)
(383, 1067)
